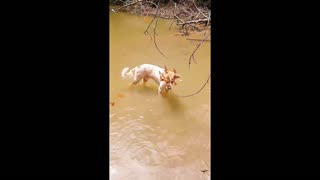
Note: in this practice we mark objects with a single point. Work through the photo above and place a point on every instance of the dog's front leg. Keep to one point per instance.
(159, 91)
(161, 87)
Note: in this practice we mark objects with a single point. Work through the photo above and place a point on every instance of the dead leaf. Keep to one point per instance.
(147, 19)
(120, 95)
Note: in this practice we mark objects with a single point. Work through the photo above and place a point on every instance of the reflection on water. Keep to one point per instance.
(154, 136)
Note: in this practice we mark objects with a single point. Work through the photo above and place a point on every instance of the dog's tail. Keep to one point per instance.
(125, 72)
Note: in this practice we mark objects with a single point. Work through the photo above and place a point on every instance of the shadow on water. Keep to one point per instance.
(174, 103)
(140, 89)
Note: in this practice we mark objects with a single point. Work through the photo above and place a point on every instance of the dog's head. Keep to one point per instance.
(169, 77)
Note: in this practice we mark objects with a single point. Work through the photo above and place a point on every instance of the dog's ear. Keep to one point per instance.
(174, 71)
(177, 76)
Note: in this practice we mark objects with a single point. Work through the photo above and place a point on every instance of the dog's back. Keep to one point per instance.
(140, 68)
(163, 77)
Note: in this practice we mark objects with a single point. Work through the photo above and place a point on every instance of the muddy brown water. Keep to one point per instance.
(156, 137)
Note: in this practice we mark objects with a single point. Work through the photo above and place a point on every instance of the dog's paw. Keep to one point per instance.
(160, 92)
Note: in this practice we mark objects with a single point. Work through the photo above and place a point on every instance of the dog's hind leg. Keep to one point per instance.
(145, 81)
(136, 80)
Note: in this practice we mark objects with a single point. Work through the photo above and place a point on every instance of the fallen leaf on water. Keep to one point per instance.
(120, 95)
(147, 19)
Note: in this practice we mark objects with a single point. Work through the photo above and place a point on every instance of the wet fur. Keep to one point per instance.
(162, 76)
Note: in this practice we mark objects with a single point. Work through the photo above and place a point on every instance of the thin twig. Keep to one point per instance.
(146, 31)
(115, 10)
(192, 55)
(154, 38)
(199, 9)
(197, 15)
(173, 14)
(179, 20)
(207, 24)
(182, 13)
(198, 39)
(194, 21)
(174, 10)
(194, 27)
(198, 90)
(172, 24)
(155, 28)
(154, 17)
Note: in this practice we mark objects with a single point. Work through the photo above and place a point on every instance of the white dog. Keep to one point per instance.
(163, 77)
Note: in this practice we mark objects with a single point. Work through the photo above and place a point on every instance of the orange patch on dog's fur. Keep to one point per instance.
(169, 75)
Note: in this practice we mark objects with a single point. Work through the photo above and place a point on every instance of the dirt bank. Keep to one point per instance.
(190, 15)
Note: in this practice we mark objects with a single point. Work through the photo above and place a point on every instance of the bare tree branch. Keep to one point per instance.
(155, 28)
(129, 4)
(198, 90)
(198, 39)
(179, 20)
(154, 17)
(207, 24)
(154, 38)
(192, 55)
(146, 31)
(194, 21)
(172, 24)
(199, 10)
